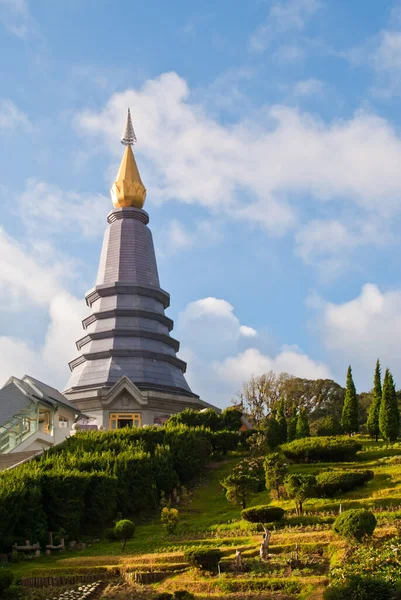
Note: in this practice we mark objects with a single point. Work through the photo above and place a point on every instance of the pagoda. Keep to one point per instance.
(127, 372)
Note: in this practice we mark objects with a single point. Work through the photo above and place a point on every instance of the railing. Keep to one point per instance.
(18, 428)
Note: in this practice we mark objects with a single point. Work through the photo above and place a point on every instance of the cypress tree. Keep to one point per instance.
(302, 430)
(372, 424)
(282, 422)
(349, 419)
(389, 417)
(292, 426)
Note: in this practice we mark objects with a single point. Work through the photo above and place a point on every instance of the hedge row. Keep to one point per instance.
(82, 484)
(330, 483)
(229, 419)
(321, 449)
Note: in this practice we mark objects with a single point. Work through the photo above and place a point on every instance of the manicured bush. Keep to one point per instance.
(163, 596)
(240, 488)
(330, 483)
(326, 426)
(321, 449)
(263, 514)
(169, 518)
(183, 595)
(254, 468)
(124, 530)
(224, 441)
(6, 579)
(276, 470)
(355, 524)
(360, 587)
(206, 559)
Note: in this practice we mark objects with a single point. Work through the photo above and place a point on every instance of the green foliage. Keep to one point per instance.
(282, 422)
(329, 483)
(326, 426)
(276, 471)
(389, 416)
(206, 559)
(163, 596)
(110, 534)
(273, 432)
(355, 525)
(6, 579)
(302, 428)
(372, 424)
(229, 419)
(169, 518)
(224, 441)
(124, 530)
(321, 449)
(263, 514)
(292, 426)
(300, 487)
(350, 417)
(183, 595)
(240, 488)
(360, 587)
(254, 468)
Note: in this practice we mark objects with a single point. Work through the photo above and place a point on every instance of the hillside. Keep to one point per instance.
(211, 521)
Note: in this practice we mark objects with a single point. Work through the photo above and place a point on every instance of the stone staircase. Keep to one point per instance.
(8, 461)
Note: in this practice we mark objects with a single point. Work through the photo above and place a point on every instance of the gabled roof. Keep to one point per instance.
(17, 394)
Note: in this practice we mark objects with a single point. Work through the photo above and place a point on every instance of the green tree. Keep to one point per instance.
(169, 518)
(302, 429)
(273, 432)
(349, 419)
(389, 416)
(240, 488)
(299, 488)
(292, 425)
(124, 530)
(276, 471)
(282, 422)
(374, 409)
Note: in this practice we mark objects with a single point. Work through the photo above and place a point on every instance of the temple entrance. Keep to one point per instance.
(121, 420)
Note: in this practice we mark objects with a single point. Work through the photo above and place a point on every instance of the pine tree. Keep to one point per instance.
(349, 419)
(389, 417)
(302, 430)
(292, 425)
(282, 422)
(372, 424)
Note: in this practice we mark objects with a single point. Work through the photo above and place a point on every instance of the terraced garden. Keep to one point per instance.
(301, 553)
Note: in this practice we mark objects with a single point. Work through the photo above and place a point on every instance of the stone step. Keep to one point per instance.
(13, 458)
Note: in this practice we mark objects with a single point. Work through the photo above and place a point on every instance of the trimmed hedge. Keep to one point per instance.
(355, 524)
(206, 559)
(262, 514)
(360, 587)
(321, 449)
(330, 483)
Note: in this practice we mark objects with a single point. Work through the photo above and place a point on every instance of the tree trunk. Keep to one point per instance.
(124, 544)
(300, 508)
(264, 546)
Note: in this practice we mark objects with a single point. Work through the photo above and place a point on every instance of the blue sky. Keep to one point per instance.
(269, 141)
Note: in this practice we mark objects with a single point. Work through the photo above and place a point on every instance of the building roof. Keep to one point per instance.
(17, 394)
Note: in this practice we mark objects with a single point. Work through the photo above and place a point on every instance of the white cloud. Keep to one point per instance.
(308, 87)
(284, 16)
(261, 167)
(11, 116)
(237, 369)
(46, 208)
(364, 329)
(32, 278)
(247, 331)
(15, 16)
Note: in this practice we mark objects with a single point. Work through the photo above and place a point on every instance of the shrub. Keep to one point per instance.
(6, 579)
(321, 449)
(124, 530)
(276, 471)
(169, 518)
(263, 514)
(206, 559)
(360, 587)
(240, 488)
(331, 482)
(224, 441)
(254, 468)
(163, 596)
(183, 595)
(326, 426)
(300, 487)
(110, 534)
(355, 524)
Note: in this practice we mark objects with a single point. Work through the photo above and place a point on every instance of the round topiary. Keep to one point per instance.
(355, 524)
(360, 587)
(6, 579)
(183, 595)
(163, 596)
(263, 514)
(124, 530)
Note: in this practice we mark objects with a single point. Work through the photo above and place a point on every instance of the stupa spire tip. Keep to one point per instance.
(128, 137)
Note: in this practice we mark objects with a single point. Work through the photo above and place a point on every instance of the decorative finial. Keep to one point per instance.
(128, 189)
(129, 137)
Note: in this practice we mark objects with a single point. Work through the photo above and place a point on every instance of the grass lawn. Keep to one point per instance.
(210, 520)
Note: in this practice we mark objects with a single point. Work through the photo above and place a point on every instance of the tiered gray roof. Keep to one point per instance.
(127, 332)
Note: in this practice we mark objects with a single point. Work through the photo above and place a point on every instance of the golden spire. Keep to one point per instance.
(128, 189)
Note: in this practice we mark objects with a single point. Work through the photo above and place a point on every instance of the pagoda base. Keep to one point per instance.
(125, 405)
